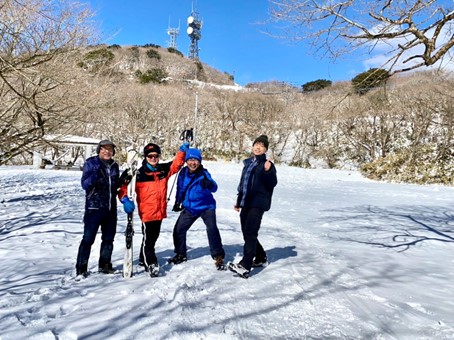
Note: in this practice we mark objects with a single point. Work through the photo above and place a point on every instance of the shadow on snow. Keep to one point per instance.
(399, 227)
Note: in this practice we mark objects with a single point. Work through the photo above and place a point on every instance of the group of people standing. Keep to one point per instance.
(102, 183)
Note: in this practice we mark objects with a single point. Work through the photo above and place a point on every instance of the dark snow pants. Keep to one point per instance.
(93, 219)
(186, 220)
(250, 219)
(150, 231)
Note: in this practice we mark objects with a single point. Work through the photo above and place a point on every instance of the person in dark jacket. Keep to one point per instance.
(255, 190)
(194, 198)
(151, 196)
(100, 180)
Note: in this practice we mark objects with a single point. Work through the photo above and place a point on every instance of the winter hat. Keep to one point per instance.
(150, 147)
(262, 139)
(105, 142)
(193, 153)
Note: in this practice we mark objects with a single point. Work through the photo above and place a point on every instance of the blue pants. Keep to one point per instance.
(93, 219)
(186, 220)
(250, 219)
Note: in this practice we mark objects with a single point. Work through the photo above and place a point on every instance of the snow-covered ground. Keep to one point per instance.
(349, 259)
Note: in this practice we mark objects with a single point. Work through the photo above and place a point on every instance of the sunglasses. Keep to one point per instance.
(153, 156)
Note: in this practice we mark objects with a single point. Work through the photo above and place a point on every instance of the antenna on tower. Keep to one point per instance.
(173, 33)
(195, 33)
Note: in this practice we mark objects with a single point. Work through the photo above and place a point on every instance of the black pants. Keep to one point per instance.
(93, 219)
(150, 231)
(250, 219)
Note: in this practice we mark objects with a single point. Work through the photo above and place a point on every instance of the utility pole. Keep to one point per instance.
(195, 118)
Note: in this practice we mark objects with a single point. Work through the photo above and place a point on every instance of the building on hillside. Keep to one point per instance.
(64, 152)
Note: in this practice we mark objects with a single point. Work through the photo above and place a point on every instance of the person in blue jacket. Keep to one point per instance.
(100, 180)
(194, 198)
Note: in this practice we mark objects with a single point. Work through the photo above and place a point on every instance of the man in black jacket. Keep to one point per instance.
(255, 190)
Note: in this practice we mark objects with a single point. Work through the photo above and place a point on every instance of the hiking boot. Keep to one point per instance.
(106, 268)
(153, 269)
(81, 273)
(81, 276)
(260, 262)
(84, 274)
(178, 258)
(239, 270)
(219, 263)
(82, 270)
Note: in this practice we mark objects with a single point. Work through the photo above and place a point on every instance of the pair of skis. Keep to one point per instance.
(130, 179)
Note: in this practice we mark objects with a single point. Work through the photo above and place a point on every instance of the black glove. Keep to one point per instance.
(177, 207)
(125, 177)
(205, 183)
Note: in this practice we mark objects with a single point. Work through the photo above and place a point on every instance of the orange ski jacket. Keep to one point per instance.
(151, 188)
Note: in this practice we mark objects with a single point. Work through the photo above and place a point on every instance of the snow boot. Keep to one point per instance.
(260, 262)
(81, 272)
(81, 276)
(106, 268)
(219, 263)
(178, 258)
(153, 269)
(239, 270)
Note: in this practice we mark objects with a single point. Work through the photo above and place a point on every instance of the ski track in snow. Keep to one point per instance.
(339, 267)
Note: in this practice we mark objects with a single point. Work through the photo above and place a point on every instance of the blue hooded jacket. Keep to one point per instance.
(100, 181)
(196, 199)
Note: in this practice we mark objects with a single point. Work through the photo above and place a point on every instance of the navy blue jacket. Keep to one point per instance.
(100, 181)
(196, 199)
(260, 185)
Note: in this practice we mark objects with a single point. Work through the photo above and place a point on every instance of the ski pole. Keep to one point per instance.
(187, 136)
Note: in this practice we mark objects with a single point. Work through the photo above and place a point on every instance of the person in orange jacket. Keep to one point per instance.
(151, 196)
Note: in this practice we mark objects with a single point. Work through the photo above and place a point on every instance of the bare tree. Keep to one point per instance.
(417, 33)
(36, 38)
(446, 122)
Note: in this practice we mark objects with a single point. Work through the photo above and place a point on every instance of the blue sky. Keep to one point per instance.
(232, 40)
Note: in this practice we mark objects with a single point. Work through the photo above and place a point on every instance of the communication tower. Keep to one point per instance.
(195, 34)
(173, 34)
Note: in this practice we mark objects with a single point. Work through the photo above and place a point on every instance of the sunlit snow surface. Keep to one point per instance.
(349, 259)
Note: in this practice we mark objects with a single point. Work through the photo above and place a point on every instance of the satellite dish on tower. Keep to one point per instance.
(194, 22)
(194, 31)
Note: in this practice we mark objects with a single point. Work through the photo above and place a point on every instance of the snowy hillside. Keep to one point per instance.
(349, 259)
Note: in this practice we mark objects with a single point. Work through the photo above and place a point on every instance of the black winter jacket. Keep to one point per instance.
(100, 182)
(260, 185)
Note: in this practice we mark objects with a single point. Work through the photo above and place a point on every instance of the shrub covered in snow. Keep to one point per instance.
(421, 165)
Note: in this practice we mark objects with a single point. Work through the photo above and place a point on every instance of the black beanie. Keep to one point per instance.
(262, 139)
(150, 147)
